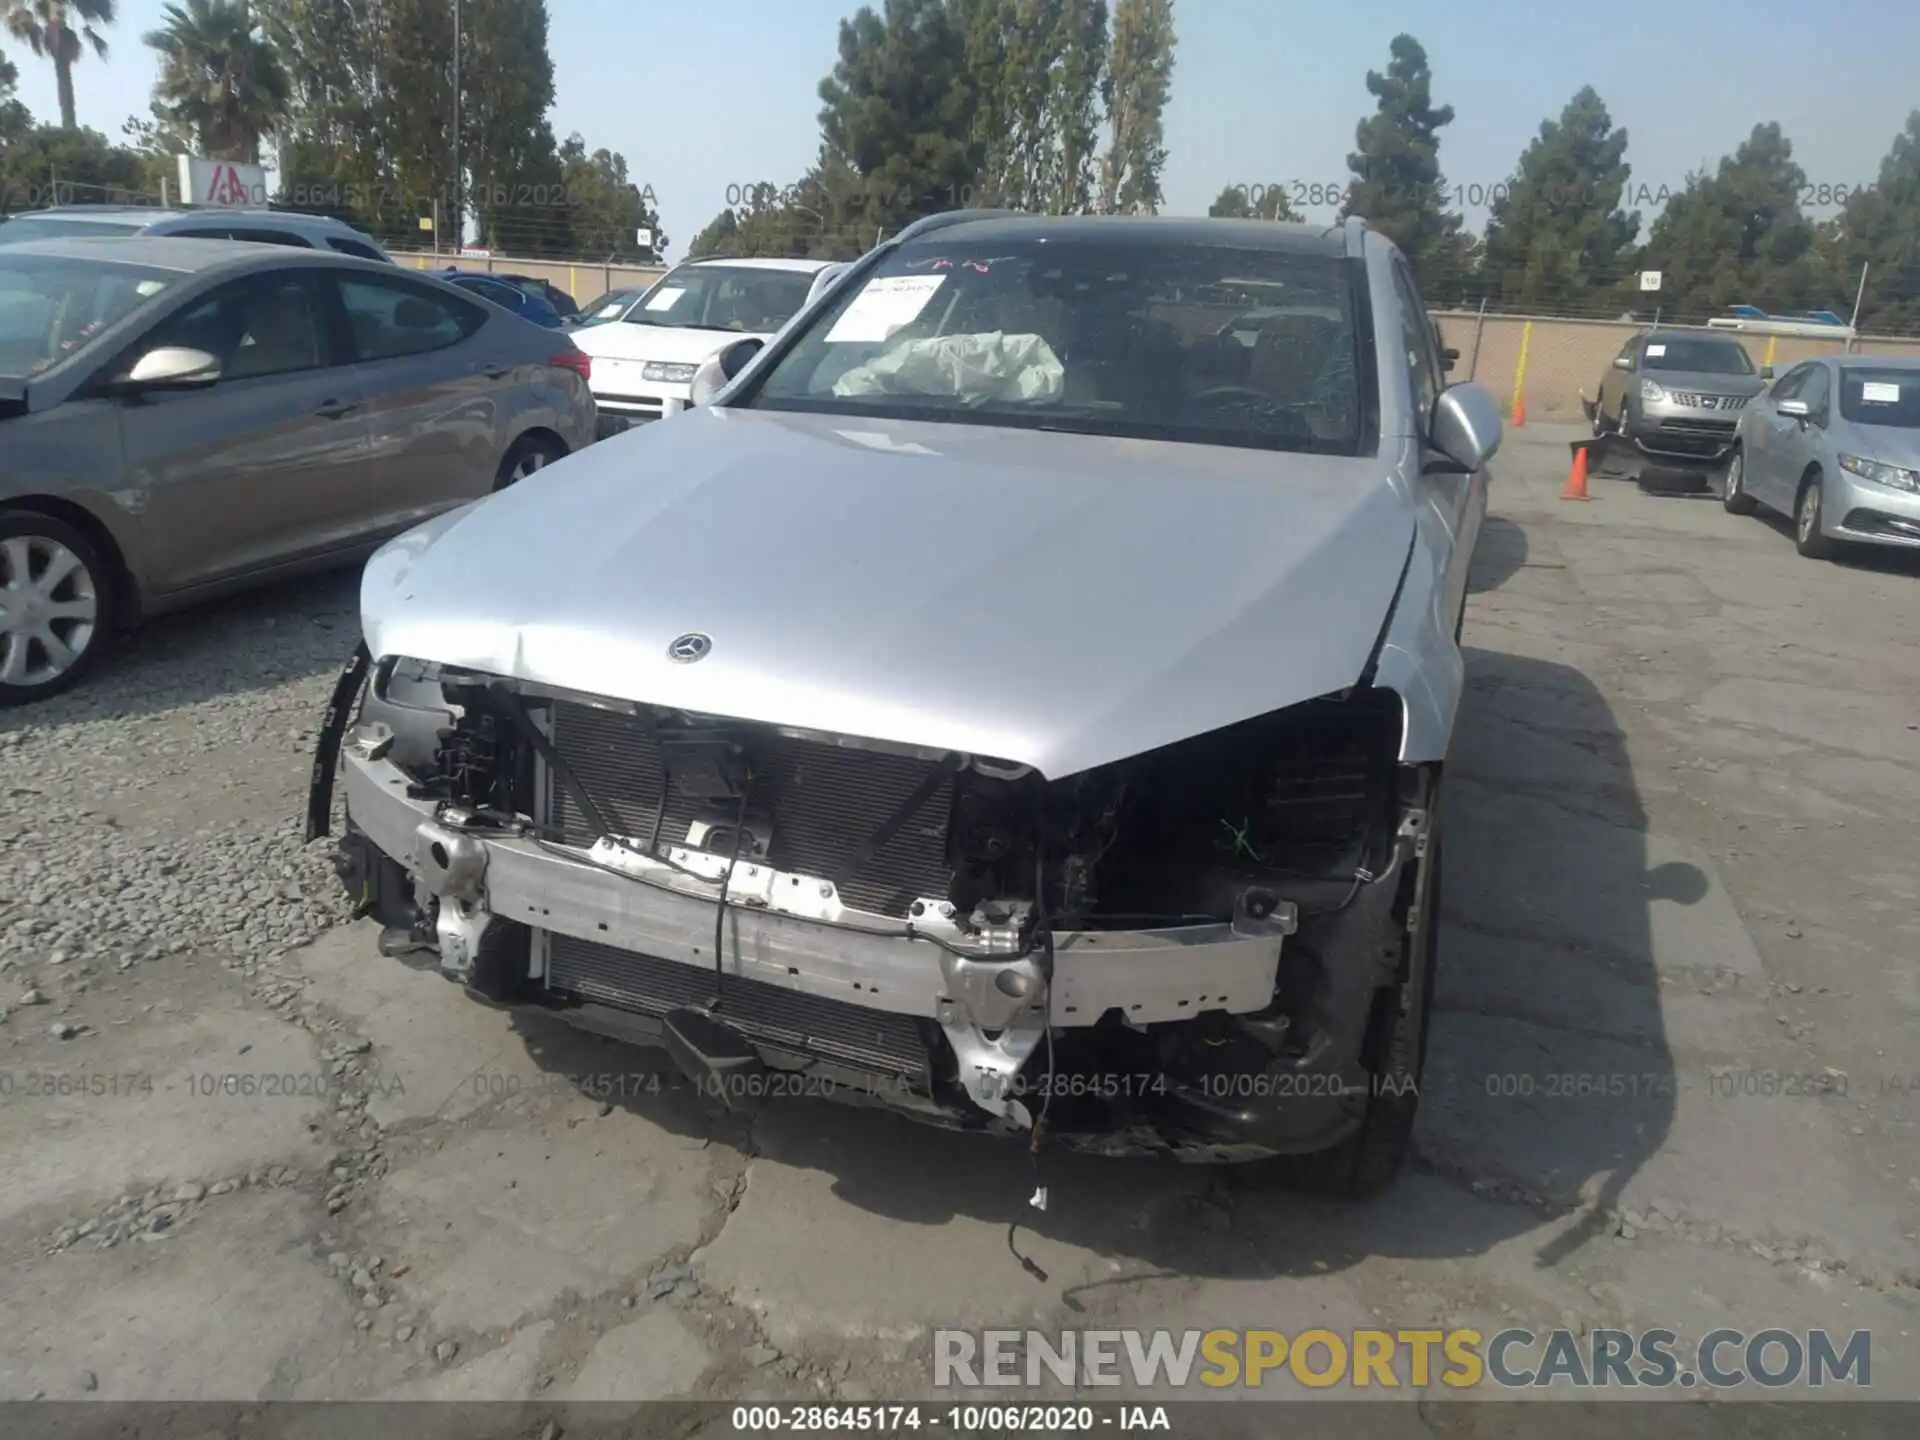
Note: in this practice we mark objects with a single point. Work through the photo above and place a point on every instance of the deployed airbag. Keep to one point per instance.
(974, 368)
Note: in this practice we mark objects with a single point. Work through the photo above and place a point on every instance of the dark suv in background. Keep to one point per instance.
(1672, 399)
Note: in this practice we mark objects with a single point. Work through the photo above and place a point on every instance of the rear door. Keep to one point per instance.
(268, 464)
(433, 390)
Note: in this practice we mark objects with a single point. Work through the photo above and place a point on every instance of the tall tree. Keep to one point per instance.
(89, 167)
(47, 27)
(1737, 236)
(1556, 235)
(1258, 202)
(219, 77)
(519, 196)
(1879, 228)
(1134, 93)
(1398, 187)
(1036, 67)
(896, 114)
(608, 209)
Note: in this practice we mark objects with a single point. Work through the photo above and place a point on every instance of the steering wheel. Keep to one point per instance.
(1256, 403)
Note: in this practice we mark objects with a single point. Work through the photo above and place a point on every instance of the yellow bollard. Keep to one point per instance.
(573, 282)
(1520, 377)
(1773, 343)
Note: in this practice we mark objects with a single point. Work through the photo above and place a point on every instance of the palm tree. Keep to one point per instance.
(219, 77)
(46, 28)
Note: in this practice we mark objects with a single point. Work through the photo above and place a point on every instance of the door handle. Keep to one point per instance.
(335, 409)
(496, 372)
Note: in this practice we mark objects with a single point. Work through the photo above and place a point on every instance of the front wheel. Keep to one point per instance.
(1808, 537)
(528, 455)
(1368, 1161)
(1733, 492)
(54, 591)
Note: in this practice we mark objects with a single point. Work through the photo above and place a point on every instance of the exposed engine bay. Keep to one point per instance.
(1178, 953)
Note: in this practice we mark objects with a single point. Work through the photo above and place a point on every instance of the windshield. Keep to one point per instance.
(739, 298)
(1207, 344)
(28, 227)
(51, 307)
(1880, 397)
(610, 306)
(1703, 357)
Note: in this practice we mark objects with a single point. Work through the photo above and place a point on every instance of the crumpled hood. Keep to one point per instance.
(1054, 600)
(619, 340)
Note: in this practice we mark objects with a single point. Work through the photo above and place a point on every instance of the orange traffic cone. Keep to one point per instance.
(1577, 477)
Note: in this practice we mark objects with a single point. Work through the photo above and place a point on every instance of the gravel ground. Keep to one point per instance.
(157, 809)
(1683, 788)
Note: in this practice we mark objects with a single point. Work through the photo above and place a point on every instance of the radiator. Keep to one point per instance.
(822, 802)
(870, 1040)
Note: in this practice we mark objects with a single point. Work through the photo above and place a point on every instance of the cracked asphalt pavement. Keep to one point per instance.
(1673, 1078)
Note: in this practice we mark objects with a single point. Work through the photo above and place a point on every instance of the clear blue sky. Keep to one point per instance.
(702, 96)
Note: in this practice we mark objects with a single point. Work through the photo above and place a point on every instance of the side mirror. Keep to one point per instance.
(172, 367)
(718, 370)
(734, 358)
(1794, 409)
(1623, 362)
(1466, 425)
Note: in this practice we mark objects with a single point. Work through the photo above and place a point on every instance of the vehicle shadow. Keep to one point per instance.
(1499, 553)
(1549, 1080)
(1869, 559)
(242, 643)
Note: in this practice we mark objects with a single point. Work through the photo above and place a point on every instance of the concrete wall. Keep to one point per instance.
(583, 281)
(1566, 358)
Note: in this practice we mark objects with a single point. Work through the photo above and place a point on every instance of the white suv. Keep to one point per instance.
(271, 227)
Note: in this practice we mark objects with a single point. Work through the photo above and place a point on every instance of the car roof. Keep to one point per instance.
(1286, 236)
(1875, 362)
(183, 255)
(764, 262)
(158, 214)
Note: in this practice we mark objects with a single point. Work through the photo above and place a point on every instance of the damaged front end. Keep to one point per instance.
(1184, 953)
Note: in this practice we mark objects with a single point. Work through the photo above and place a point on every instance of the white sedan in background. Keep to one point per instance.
(644, 362)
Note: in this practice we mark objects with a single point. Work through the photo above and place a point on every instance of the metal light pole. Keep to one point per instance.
(459, 209)
(1853, 324)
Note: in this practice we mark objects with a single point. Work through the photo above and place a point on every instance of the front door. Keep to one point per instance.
(270, 463)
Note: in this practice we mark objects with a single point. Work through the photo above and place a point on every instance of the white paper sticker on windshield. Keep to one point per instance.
(883, 307)
(614, 309)
(1653, 350)
(1876, 392)
(664, 300)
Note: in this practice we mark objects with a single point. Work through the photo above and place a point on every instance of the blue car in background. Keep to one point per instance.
(508, 297)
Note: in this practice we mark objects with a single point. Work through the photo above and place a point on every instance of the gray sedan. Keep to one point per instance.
(1835, 444)
(180, 418)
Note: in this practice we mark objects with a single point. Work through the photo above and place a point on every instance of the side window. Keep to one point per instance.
(1417, 337)
(1787, 387)
(354, 248)
(262, 325)
(207, 232)
(390, 318)
(273, 237)
(1813, 389)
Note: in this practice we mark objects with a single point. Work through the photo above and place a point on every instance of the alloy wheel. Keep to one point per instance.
(49, 610)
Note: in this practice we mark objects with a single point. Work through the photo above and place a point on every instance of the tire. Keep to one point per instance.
(526, 455)
(75, 610)
(1368, 1161)
(1807, 514)
(1734, 498)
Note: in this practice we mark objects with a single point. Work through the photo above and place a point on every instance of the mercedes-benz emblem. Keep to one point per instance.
(690, 647)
